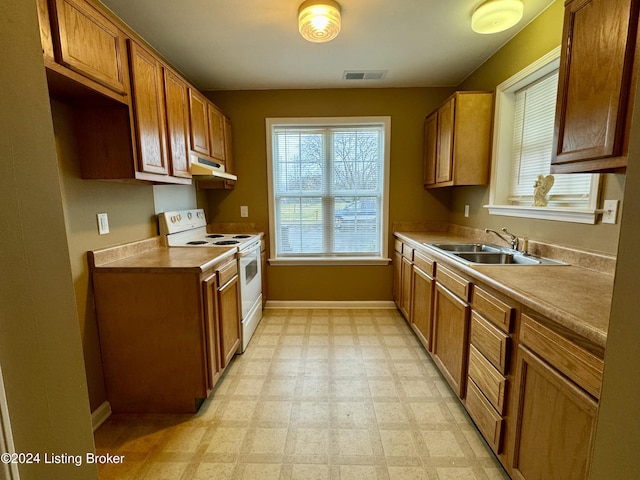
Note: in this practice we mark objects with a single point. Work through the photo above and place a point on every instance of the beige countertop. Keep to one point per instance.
(576, 298)
(152, 255)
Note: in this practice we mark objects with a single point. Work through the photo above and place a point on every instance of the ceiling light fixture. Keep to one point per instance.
(493, 16)
(319, 20)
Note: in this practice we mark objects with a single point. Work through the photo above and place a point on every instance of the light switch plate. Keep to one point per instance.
(610, 208)
(103, 223)
(466, 210)
(244, 211)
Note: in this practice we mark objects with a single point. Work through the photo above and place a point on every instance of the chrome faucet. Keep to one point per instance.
(512, 240)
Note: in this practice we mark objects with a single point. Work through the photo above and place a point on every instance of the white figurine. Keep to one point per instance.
(540, 190)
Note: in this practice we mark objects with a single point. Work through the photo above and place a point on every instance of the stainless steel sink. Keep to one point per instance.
(499, 258)
(466, 247)
(489, 254)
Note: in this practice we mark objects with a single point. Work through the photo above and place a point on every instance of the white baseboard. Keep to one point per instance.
(328, 305)
(100, 415)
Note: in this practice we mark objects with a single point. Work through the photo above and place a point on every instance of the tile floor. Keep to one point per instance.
(319, 395)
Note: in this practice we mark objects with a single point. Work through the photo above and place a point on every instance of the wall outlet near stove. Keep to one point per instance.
(103, 223)
(244, 211)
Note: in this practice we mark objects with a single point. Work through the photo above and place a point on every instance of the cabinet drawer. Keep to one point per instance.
(493, 309)
(487, 379)
(397, 246)
(423, 263)
(454, 282)
(486, 418)
(407, 252)
(227, 271)
(575, 362)
(491, 342)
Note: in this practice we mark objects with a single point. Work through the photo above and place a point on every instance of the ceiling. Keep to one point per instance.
(255, 44)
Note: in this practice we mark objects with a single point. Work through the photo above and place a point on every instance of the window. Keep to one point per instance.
(328, 182)
(523, 142)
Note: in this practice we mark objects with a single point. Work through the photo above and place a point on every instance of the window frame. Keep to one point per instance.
(501, 160)
(382, 258)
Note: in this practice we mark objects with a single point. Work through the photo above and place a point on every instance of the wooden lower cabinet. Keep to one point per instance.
(405, 294)
(397, 276)
(229, 318)
(451, 337)
(421, 306)
(555, 423)
(167, 336)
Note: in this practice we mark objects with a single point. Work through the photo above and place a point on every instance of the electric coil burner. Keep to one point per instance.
(188, 228)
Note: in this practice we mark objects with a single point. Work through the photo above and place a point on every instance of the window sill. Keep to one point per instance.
(574, 215)
(308, 261)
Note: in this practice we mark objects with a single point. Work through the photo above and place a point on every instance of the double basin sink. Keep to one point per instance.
(489, 254)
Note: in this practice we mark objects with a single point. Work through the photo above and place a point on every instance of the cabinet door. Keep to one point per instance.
(199, 123)
(405, 294)
(397, 277)
(444, 164)
(176, 98)
(45, 28)
(216, 133)
(430, 148)
(229, 311)
(450, 337)
(554, 426)
(593, 88)
(87, 42)
(210, 294)
(421, 310)
(228, 146)
(148, 104)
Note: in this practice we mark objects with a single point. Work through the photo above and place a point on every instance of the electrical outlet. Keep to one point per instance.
(103, 223)
(466, 210)
(610, 208)
(244, 211)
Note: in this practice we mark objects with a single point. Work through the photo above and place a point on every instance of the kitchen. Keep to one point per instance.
(132, 213)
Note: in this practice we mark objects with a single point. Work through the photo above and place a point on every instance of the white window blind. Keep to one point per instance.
(535, 107)
(328, 190)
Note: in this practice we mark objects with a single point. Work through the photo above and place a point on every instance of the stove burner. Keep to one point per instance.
(241, 236)
(226, 242)
(197, 242)
(215, 235)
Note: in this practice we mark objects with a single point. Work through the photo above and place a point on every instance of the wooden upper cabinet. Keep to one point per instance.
(149, 110)
(88, 43)
(430, 148)
(177, 109)
(216, 133)
(199, 123)
(444, 153)
(45, 28)
(458, 140)
(594, 86)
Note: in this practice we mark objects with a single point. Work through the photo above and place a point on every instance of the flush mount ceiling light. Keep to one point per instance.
(319, 20)
(493, 16)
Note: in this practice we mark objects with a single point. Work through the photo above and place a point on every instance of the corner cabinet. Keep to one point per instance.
(457, 141)
(166, 336)
(595, 86)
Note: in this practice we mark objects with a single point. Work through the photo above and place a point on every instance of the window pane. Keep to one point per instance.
(532, 145)
(357, 224)
(300, 229)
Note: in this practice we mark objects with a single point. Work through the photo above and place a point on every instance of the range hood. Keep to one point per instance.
(203, 168)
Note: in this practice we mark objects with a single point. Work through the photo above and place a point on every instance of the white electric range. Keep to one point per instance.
(188, 228)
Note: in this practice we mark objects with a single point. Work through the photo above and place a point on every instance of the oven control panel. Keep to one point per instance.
(181, 220)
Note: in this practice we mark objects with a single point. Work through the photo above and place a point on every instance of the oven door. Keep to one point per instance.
(250, 277)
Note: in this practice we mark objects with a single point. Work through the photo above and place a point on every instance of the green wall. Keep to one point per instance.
(408, 201)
